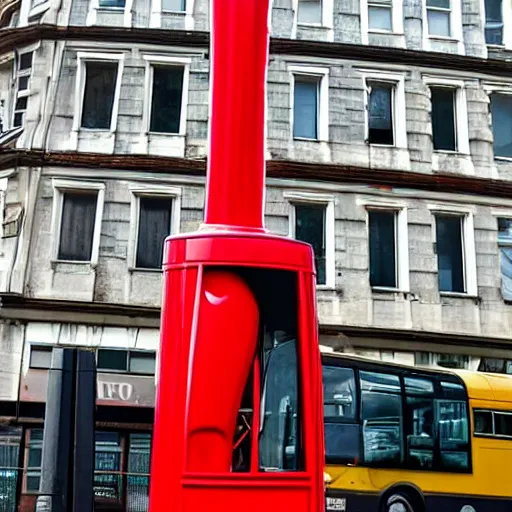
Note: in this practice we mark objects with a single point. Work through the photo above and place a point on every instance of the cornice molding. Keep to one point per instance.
(279, 169)
(16, 37)
(88, 313)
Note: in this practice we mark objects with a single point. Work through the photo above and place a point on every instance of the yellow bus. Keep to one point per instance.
(408, 439)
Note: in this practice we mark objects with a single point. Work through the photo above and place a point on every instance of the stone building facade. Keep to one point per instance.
(389, 149)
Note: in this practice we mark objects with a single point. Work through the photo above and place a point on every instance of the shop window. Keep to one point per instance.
(132, 361)
(34, 458)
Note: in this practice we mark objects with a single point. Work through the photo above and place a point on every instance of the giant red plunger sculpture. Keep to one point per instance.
(238, 415)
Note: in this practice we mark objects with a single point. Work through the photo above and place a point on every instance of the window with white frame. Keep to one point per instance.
(448, 114)
(166, 98)
(155, 216)
(505, 246)
(455, 248)
(385, 109)
(439, 18)
(40, 356)
(501, 113)
(23, 71)
(78, 210)
(494, 22)
(312, 221)
(310, 103)
(380, 15)
(310, 12)
(97, 91)
(388, 248)
(174, 5)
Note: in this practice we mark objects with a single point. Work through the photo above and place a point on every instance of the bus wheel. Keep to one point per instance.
(398, 502)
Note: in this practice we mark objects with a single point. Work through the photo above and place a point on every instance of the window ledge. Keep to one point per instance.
(174, 12)
(381, 32)
(165, 134)
(325, 288)
(503, 158)
(71, 262)
(313, 25)
(145, 270)
(459, 295)
(445, 39)
(385, 289)
(449, 152)
(305, 139)
(496, 46)
(95, 130)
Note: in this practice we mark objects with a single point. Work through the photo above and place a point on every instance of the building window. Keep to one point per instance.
(383, 260)
(310, 12)
(167, 97)
(443, 118)
(112, 4)
(310, 228)
(23, 72)
(310, 103)
(380, 113)
(505, 246)
(380, 15)
(155, 218)
(77, 225)
(450, 259)
(501, 111)
(439, 17)
(78, 208)
(306, 95)
(34, 457)
(41, 356)
(388, 248)
(99, 94)
(460, 362)
(173, 5)
(126, 361)
(312, 221)
(494, 22)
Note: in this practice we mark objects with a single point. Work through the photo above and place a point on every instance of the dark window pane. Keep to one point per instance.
(77, 226)
(33, 481)
(154, 227)
(280, 437)
(493, 11)
(443, 4)
(100, 85)
(108, 482)
(453, 390)
(21, 103)
(305, 108)
(503, 424)
(18, 119)
(501, 109)
(453, 430)
(167, 97)
(34, 457)
(380, 110)
(483, 422)
(382, 249)
(112, 3)
(25, 61)
(381, 410)
(418, 386)
(493, 22)
(23, 83)
(339, 393)
(443, 118)
(310, 228)
(449, 253)
(342, 442)
(173, 5)
(420, 432)
(138, 466)
(112, 359)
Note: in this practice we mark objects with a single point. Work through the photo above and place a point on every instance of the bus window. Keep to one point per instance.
(381, 411)
(342, 433)
(280, 426)
(503, 424)
(483, 422)
(339, 392)
(453, 429)
(419, 422)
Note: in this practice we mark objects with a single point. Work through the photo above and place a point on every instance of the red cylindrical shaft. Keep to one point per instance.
(236, 164)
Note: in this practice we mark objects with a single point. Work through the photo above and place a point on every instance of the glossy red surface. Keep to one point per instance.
(213, 308)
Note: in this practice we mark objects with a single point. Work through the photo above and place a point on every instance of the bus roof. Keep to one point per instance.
(480, 385)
